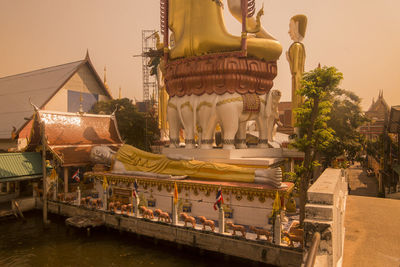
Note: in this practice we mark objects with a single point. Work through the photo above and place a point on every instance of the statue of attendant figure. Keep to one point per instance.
(296, 55)
(133, 161)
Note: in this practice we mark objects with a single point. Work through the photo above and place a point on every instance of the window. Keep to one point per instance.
(88, 100)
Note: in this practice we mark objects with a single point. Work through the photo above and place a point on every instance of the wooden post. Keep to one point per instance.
(277, 230)
(221, 220)
(65, 180)
(174, 212)
(105, 200)
(136, 203)
(44, 174)
(78, 198)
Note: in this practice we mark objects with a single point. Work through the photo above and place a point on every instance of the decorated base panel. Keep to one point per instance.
(244, 203)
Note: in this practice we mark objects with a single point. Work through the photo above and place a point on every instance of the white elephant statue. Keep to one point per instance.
(202, 113)
(181, 115)
(228, 111)
(272, 113)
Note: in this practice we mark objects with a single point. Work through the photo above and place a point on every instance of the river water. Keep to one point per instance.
(29, 244)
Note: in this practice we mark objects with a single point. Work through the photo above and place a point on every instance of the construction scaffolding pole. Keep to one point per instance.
(150, 89)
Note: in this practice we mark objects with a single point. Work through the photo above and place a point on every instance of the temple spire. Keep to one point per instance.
(105, 77)
(87, 54)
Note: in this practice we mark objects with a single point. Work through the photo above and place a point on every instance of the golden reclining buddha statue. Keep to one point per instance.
(129, 160)
(199, 29)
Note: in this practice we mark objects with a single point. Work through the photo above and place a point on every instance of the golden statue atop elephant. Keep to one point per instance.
(210, 72)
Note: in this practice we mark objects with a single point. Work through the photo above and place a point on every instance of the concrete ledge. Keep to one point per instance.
(248, 249)
(324, 189)
(319, 212)
(325, 214)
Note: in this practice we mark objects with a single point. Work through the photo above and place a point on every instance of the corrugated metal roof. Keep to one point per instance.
(17, 165)
(39, 85)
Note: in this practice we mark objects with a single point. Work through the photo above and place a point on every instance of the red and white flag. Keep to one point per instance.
(219, 199)
(76, 176)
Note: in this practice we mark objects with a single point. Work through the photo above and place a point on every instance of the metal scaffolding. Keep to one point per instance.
(150, 90)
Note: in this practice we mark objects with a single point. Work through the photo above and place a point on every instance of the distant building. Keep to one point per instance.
(377, 113)
(63, 88)
(285, 116)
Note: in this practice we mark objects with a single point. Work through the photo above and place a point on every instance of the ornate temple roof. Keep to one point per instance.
(39, 85)
(378, 109)
(71, 136)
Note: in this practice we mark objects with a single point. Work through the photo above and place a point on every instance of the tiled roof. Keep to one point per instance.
(71, 136)
(20, 165)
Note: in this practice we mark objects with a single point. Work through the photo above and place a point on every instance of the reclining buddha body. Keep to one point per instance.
(199, 29)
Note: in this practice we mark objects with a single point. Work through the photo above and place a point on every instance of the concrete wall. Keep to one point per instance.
(325, 214)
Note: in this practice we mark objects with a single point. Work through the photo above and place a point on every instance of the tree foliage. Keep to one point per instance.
(345, 118)
(314, 133)
(138, 129)
(327, 124)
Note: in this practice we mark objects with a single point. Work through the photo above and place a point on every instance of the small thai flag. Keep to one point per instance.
(76, 176)
(219, 199)
(134, 191)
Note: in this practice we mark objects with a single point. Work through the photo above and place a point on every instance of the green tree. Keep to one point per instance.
(314, 133)
(345, 118)
(138, 129)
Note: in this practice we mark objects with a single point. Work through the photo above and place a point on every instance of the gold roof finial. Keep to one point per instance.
(105, 77)
(120, 93)
(80, 104)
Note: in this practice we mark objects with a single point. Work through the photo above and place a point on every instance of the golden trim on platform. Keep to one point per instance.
(196, 188)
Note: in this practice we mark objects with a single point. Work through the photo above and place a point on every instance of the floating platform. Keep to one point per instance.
(84, 221)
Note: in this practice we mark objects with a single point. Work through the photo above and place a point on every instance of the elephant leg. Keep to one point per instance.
(263, 129)
(187, 117)
(208, 124)
(241, 135)
(230, 124)
(207, 120)
(229, 116)
(174, 125)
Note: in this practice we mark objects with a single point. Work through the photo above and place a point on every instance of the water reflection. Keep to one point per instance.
(28, 244)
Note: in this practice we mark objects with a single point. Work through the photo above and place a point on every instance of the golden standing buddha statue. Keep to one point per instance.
(296, 55)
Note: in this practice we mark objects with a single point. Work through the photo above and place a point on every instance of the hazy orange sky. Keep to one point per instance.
(359, 37)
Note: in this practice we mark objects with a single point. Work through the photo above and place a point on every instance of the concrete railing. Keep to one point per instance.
(325, 211)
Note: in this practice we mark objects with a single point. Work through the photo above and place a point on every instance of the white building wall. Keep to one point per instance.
(82, 81)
